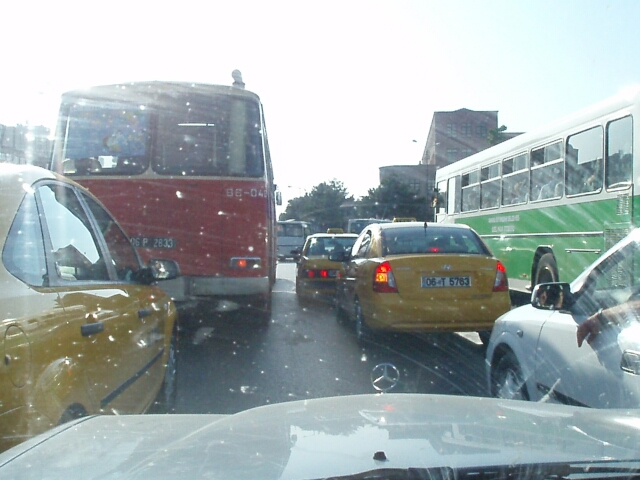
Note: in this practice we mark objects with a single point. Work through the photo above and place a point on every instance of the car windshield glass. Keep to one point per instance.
(259, 237)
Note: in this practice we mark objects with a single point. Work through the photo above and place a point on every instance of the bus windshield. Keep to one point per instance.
(199, 135)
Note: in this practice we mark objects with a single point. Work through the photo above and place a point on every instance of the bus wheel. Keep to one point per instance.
(547, 270)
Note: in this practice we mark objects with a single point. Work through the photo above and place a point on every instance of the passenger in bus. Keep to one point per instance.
(559, 190)
(548, 189)
(520, 192)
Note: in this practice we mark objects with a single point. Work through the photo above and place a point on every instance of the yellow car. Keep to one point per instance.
(421, 277)
(83, 329)
(316, 274)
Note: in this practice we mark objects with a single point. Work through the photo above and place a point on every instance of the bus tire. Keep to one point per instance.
(547, 270)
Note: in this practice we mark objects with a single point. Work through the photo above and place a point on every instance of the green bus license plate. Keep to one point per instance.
(443, 282)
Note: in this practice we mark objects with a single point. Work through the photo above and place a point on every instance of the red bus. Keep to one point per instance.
(186, 170)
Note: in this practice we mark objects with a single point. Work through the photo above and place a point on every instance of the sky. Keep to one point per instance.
(347, 86)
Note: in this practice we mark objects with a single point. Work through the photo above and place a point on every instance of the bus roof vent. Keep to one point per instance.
(237, 79)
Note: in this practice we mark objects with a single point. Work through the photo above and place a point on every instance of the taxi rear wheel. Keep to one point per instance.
(363, 331)
(507, 379)
(168, 391)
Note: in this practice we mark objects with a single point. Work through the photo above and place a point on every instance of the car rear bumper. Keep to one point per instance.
(315, 287)
(465, 316)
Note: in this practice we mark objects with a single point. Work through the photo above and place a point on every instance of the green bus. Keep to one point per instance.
(550, 201)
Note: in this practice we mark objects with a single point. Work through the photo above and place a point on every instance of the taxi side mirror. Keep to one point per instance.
(158, 270)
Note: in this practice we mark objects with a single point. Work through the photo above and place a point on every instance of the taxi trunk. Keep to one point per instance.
(440, 292)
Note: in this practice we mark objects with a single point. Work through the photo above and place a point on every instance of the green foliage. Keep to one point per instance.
(321, 206)
(496, 135)
(393, 198)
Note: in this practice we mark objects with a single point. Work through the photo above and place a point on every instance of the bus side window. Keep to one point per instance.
(584, 162)
(619, 153)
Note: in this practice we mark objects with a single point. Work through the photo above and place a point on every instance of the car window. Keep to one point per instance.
(23, 253)
(75, 248)
(122, 254)
(362, 246)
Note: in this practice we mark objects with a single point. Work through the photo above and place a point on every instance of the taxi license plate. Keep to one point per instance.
(445, 282)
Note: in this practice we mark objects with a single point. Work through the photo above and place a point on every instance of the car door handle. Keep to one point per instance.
(89, 329)
(144, 312)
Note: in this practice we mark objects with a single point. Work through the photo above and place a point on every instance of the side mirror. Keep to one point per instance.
(278, 197)
(552, 296)
(158, 270)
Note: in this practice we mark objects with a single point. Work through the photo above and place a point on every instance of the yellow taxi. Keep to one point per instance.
(316, 274)
(83, 329)
(421, 277)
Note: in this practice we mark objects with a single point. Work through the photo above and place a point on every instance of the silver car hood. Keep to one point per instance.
(327, 437)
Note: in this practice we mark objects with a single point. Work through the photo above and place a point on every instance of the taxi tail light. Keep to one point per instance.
(317, 273)
(383, 279)
(501, 284)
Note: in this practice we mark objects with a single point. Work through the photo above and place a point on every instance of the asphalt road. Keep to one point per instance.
(226, 365)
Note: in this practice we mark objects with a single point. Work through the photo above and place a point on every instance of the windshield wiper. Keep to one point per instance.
(610, 469)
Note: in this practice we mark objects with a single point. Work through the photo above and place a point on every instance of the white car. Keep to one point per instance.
(533, 353)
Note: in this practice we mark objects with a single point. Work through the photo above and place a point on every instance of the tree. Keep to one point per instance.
(393, 198)
(321, 206)
(496, 135)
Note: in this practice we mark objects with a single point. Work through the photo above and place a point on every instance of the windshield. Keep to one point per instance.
(190, 135)
(211, 210)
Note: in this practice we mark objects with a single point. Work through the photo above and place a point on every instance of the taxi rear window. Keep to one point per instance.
(402, 241)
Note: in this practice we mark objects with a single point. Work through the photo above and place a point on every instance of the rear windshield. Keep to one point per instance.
(400, 241)
(321, 246)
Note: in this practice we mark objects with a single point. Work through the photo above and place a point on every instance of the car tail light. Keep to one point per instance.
(501, 284)
(383, 279)
(320, 273)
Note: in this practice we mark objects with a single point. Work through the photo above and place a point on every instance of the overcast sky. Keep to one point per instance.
(347, 86)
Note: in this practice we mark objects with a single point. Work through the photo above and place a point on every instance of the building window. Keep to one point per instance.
(466, 130)
(451, 129)
(481, 131)
(452, 154)
(414, 186)
(466, 152)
